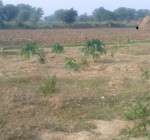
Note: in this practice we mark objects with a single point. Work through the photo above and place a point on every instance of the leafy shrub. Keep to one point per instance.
(49, 86)
(95, 48)
(70, 63)
(57, 48)
(28, 49)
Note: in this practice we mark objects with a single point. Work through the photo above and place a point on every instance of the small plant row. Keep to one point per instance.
(94, 48)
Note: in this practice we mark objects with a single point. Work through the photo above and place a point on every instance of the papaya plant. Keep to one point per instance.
(94, 48)
(29, 49)
(57, 48)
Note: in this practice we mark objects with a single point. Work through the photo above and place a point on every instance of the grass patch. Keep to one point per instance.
(57, 48)
(139, 111)
(145, 74)
(70, 63)
(49, 86)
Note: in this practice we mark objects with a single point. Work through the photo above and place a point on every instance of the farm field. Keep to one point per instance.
(106, 99)
(73, 36)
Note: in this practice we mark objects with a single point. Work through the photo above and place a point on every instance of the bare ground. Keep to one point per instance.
(97, 93)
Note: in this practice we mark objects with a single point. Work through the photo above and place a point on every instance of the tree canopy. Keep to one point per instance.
(67, 16)
(101, 14)
(20, 13)
(24, 15)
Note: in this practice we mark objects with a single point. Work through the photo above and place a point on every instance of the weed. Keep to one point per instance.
(57, 48)
(140, 112)
(145, 74)
(41, 56)
(137, 111)
(49, 86)
(84, 61)
(70, 63)
(2, 51)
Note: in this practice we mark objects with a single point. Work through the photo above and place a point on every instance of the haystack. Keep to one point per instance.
(145, 23)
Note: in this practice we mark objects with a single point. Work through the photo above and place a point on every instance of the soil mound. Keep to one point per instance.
(145, 23)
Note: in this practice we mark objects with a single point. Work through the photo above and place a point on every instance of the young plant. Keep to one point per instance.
(32, 48)
(41, 56)
(95, 48)
(29, 49)
(70, 63)
(49, 86)
(57, 48)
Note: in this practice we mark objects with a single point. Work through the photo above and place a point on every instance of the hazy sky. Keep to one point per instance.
(83, 6)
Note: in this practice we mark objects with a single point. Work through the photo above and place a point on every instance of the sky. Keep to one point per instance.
(49, 6)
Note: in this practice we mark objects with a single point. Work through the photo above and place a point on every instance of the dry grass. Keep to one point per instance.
(73, 36)
(99, 91)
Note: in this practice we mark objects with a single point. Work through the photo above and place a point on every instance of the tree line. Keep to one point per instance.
(19, 14)
(24, 15)
(100, 14)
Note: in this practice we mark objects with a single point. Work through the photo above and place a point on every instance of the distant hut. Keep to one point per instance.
(145, 23)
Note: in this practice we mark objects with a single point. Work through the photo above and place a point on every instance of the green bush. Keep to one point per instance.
(49, 86)
(57, 48)
(95, 48)
(70, 63)
(29, 49)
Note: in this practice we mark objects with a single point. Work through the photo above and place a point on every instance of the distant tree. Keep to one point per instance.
(10, 12)
(142, 13)
(70, 16)
(50, 19)
(83, 18)
(1, 13)
(29, 13)
(67, 16)
(25, 12)
(23, 16)
(21, 13)
(101, 14)
(36, 15)
(60, 14)
(1, 3)
(124, 13)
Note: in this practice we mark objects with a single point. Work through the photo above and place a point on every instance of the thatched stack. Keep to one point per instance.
(145, 23)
